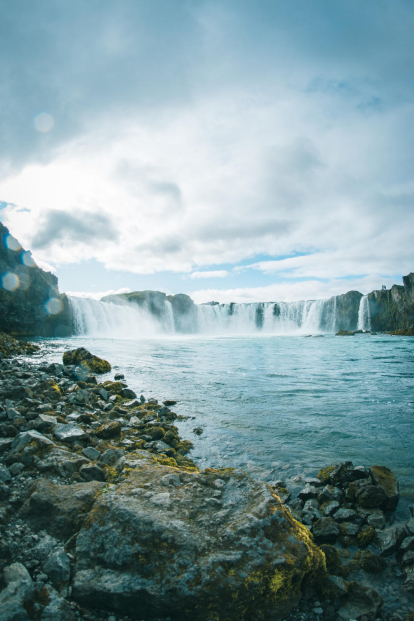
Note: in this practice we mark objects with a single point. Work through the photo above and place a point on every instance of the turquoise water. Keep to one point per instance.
(278, 406)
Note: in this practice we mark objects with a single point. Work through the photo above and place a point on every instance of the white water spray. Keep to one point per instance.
(364, 317)
(129, 320)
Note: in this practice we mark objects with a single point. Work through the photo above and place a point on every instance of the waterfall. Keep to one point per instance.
(125, 319)
(364, 317)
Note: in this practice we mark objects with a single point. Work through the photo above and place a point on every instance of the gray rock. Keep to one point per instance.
(162, 447)
(410, 525)
(16, 573)
(349, 529)
(27, 437)
(408, 558)
(12, 413)
(342, 473)
(385, 479)
(361, 601)
(345, 515)
(127, 393)
(44, 422)
(407, 544)
(376, 519)
(111, 456)
(61, 463)
(329, 493)
(4, 474)
(366, 494)
(69, 432)
(325, 530)
(45, 407)
(80, 397)
(45, 546)
(104, 394)
(91, 472)
(312, 481)
(91, 453)
(16, 468)
(5, 445)
(329, 508)
(131, 540)
(57, 608)
(338, 586)
(308, 492)
(408, 583)
(17, 594)
(386, 540)
(57, 567)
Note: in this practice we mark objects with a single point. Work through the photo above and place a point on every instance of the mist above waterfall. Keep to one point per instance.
(119, 317)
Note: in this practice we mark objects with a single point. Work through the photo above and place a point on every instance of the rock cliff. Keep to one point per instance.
(393, 309)
(30, 303)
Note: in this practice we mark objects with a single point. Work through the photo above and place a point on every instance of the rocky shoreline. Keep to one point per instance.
(104, 516)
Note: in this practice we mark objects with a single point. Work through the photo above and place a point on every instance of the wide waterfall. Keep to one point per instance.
(129, 320)
(364, 317)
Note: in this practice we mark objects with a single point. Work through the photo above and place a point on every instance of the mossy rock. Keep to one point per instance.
(368, 561)
(345, 333)
(113, 387)
(9, 346)
(82, 357)
(184, 447)
(333, 561)
(365, 536)
(403, 332)
(324, 474)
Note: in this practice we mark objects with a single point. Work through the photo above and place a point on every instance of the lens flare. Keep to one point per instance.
(44, 122)
(10, 281)
(53, 306)
(27, 259)
(11, 243)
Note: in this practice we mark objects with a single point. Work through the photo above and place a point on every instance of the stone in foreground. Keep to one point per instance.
(83, 358)
(168, 550)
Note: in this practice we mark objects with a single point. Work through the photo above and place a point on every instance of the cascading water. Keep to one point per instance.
(129, 320)
(364, 316)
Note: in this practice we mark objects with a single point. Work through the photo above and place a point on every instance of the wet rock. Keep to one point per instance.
(376, 519)
(345, 515)
(44, 423)
(17, 594)
(308, 492)
(5, 475)
(28, 437)
(69, 433)
(361, 601)
(325, 530)
(111, 456)
(407, 544)
(388, 482)
(59, 509)
(342, 473)
(168, 402)
(386, 540)
(330, 507)
(367, 495)
(91, 453)
(127, 393)
(92, 473)
(408, 583)
(61, 463)
(119, 376)
(16, 468)
(57, 567)
(330, 493)
(132, 543)
(110, 430)
(83, 358)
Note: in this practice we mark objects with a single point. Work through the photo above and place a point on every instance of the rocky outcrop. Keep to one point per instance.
(83, 358)
(30, 303)
(346, 310)
(393, 309)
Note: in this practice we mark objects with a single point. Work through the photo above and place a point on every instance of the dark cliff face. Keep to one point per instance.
(393, 309)
(30, 303)
(347, 308)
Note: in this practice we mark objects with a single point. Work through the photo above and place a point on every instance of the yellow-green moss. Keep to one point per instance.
(324, 474)
(365, 536)
(368, 561)
(385, 478)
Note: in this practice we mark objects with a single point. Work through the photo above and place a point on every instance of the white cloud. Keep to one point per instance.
(97, 295)
(292, 291)
(216, 274)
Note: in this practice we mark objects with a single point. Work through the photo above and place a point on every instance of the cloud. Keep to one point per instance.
(194, 135)
(97, 295)
(78, 227)
(214, 274)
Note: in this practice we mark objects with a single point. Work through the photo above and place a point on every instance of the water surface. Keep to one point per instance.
(278, 405)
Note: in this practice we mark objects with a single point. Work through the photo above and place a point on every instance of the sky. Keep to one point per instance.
(234, 150)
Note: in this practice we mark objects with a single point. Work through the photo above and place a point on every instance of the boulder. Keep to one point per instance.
(60, 510)
(361, 601)
(127, 393)
(83, 358)
(30, 437)
(388, 482)
(366, 495)
(61, 463)
(110, 430)
(69, 432)
(17, 595)
(325, 530)
(91, 472)
(57, 567)
(176, 554)
(91, 453)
